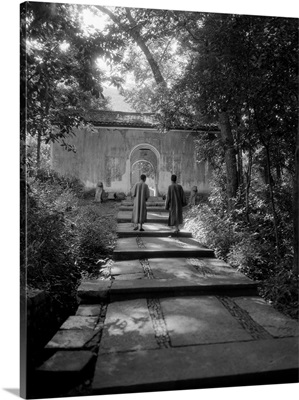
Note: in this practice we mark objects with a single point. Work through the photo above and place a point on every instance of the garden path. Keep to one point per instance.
(171, 316)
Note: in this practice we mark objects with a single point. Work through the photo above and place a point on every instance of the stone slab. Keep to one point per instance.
(276, 323)
(126, 216)
(195, 268)
(200, 320)
(125, 229)
(128, 327)
(79, 322)
(128, 277)
(149, 247)
(124, 289)
(189, 269)
(71, 339)
(149, 208)
(126, 267)
(151, 243)
(93, 290)
(89, 310)
(64, 361)
(151, 201)
(191, 367)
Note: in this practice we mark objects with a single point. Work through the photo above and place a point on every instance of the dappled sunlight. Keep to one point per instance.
(156, 214)
(186, 275)
(206, 305)
(168, 242)
(181, 324)
(126, 324)
(155, 227)
(128, 319)
(170, 272)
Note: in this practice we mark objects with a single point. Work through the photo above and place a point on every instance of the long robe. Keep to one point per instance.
(141, 194)
(100, 193)
(193, 195)
(175, 201)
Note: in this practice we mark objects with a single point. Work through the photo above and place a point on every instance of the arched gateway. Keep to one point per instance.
(145, 159)
(122, 145)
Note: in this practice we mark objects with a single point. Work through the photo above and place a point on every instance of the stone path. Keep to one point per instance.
(172, 316)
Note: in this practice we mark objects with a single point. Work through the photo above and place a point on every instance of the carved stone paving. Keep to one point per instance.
(148, 273)
(161, 332)
(140, 242)
(95, 340)
(252, 327)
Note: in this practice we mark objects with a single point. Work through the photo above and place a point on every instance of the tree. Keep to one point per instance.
(239, 72)
(59, 76)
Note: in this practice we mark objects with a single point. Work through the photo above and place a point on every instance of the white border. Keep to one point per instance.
(9, 306)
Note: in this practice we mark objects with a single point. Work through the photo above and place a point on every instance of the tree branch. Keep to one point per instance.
(135, 34)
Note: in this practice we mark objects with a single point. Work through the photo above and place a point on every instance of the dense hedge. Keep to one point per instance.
(64, 237)
(249, 248)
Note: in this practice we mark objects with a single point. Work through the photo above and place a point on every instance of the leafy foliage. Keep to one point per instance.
(65, 237)
(59, 76)
(236, 72)
(49, 262)
(96, 227)
(249, 246)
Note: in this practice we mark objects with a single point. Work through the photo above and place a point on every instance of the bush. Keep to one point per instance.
(251, 257)
(62, 182)
(282, 291)
(249, 247)
(210, 229)
(67, 237)
(50, 264)
(96, 226)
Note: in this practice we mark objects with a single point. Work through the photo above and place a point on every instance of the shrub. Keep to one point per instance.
(96, 232)
(251, 257)
(282, 290)
(62, 182)
(250, 249)
(89, 193)
(50, 264)
(210, 229)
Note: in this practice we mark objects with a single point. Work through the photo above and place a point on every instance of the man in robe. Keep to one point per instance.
(175, 201)
(193, 195)
(141, 194)
(100, 193)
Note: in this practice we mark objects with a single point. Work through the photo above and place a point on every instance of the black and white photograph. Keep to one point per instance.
(158, 159)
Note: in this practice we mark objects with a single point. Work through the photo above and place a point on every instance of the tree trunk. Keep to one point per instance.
(240, 168)
(272, 201)
(135, 34)
(248, 183)
(295, 209)
(230, 157)
(39, 140)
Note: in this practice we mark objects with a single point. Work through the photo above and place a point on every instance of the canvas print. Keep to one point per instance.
(159, 199)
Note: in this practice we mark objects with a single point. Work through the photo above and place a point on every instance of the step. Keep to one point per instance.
(130, 203)
(151, 198)
(142, 288)
(94, 293)
(152, 216)
(146, 323)
(170, 277)
(151, 247)
(125, 229)
(149, 208)
(189, 270)
(272, 361)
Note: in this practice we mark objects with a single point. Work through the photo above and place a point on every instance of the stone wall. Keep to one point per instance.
(106, 154)
(40, 319)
